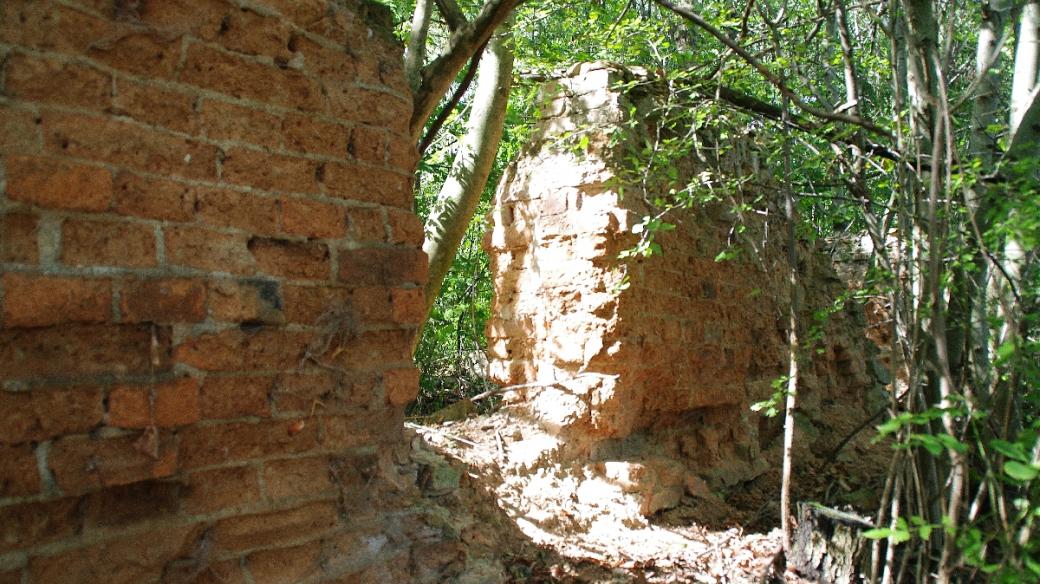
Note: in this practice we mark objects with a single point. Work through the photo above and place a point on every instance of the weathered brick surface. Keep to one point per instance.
(682, 343)
(183, 182)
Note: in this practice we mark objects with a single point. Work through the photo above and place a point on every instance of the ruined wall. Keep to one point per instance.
(683, 346)
(211, 277)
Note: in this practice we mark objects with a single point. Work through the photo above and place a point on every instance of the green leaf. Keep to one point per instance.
(878, 533)
(1020, 471)
(1010, 450)
(951, 443)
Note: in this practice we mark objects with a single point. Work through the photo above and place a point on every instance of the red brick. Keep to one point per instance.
(167, 300)
(50, 81)
(367, 225)
(213, 351)
(222, 444)
(226, 208)
(372, 305)
(272, 348)
(401, 386)
(201, 18)
(298, 393)
(364, 106)
(129, 407)
(405, 228)
(225, 121)
(222, 489)
(234, 350)
(352, 431)
(271, 171)
(136, 503)
(153, 199)
(44, 25)
(247, 32)
(358, 182)
(301, 12)
(307, 304)
(228, 572)
(271, 529)
(57, 184)
(244, 78)
(42, 300)
(126, 144)
(209, 250)
(18, 238)
(324, 62)
(18, 472)
(235, 397)
(409, 306)
(303, 477)
(175, 403)
(306, 134)
(368, 144)
(382, 267)
(153, 105)
(141, 557)
(74, 350)
(20, 132)
(27, 525)
(293, 564)
(313, 218)
(43, 413)
(291, 259)
(18, 421)
(374, 349)
(149, 54)
(252, 300)
(107, 243)
(401, 153)
(82, 463)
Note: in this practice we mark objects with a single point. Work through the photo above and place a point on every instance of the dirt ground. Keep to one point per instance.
(534, 517)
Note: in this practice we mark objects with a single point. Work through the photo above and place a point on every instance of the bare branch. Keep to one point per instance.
(770, 76)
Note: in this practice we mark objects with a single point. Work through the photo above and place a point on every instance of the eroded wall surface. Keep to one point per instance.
(211, 277)
(657, 359)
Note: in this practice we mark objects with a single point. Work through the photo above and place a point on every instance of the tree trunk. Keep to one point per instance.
(829, 546)
(415, 56)
(460, 194)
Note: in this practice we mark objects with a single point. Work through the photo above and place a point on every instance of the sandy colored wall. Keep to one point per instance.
(680, 349)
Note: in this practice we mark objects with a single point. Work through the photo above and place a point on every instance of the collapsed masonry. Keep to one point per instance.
(657, 359)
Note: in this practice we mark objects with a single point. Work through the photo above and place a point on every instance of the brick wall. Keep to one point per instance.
(681, 344)
(211, 276)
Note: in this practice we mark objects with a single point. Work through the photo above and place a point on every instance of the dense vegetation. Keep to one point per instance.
(913, 122)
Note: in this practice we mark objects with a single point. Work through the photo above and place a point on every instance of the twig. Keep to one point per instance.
(509, 388)
(459, 439)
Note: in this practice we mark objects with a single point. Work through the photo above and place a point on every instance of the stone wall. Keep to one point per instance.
(655, 358)
(211, 277)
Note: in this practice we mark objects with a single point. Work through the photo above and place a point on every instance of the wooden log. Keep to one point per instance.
(828, 545)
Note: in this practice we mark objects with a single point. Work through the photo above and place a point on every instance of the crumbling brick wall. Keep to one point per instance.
(678, 345)
(211, 277)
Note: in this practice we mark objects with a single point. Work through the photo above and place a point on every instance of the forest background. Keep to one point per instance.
(912, 123)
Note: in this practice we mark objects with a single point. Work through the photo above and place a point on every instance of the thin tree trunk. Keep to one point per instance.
(415, 56)
(792, 341)
(460, 194)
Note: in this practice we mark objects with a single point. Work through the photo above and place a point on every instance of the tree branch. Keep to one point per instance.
(438, 122)
(452, 14)
(437, 77)
(770, 76)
